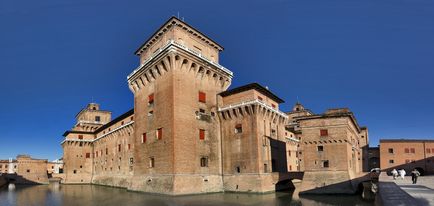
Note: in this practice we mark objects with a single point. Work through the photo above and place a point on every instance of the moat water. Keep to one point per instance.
(83, 195)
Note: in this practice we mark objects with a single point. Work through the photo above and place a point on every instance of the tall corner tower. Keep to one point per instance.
(177, 135)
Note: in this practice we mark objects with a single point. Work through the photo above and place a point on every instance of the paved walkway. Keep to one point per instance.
(423, 191)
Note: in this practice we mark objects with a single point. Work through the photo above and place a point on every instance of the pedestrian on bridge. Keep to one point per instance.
(414, 175)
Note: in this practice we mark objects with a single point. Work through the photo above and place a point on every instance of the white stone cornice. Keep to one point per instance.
(254, 102)
(100, 137)
(173, 46)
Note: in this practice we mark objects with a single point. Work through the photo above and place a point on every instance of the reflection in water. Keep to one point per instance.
(83, 195)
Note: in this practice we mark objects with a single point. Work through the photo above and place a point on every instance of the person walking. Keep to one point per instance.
(402, 173)
(414, 175)
(394, 174)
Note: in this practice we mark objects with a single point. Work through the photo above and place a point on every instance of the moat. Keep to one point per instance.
(84, 195)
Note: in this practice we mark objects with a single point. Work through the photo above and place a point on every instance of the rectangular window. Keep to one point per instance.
(412, 150)
(289, 153)
(390, 150)
(28, 171)
(119, 148)
(238, 128)
(88, 155)
(144, 138)
(151, 162)
(324, 133)
(428, 150)
(201, 134)
(320, 148)
(129, 146)
(391, 161)
(204, 162)
(202, 97)
(406, 150)
(273, 105)
(325, 163)
(80, 136)
(151, 98)
(106, 151)
(97, 118)
(131, 161)
(159, 133)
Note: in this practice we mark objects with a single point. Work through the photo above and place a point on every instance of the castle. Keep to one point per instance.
(189, 134)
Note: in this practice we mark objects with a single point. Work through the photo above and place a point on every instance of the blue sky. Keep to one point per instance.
(375, 57)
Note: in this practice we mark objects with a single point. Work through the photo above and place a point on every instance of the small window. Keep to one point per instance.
(119, 148)
(97, 118)
(273, 105)
(131, 160)
(88, 155)
(324, 132)
(144, 138)
(391, 161)
(122, 123)
(80, 136)
(202, 97)
(151, 162)
(151, 98)
(150, 113)
(28, 171)
(202, 111)
(106, 151)
(428, 151)
(201, 134)
(81, 166)
(265, 168)
(75, 171)
(406, 150)
(238, 169)
(238, 128)
(325, 164)
(129, 146)
(204, 162)
(159, 133)
(260, 98)
(80, 144)
(320, 148)
(289, 153)
(390, 150)
(412, 150)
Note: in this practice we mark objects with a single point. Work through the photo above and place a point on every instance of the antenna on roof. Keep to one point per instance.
(178, 14)
(298, 100)
(182, 18)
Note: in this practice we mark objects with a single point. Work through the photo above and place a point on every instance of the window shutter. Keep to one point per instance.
(202, 97)
(201, 134)
(144, 138)
(324, 132)
(151, 98)
(160, 133)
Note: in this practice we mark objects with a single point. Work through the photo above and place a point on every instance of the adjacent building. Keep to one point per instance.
(188, 133)
(407, 154)
(25, 170)
(333, 148)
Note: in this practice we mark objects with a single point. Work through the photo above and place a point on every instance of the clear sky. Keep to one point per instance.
(375, 57)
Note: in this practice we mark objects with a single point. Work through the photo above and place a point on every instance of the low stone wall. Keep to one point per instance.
(327, 182)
